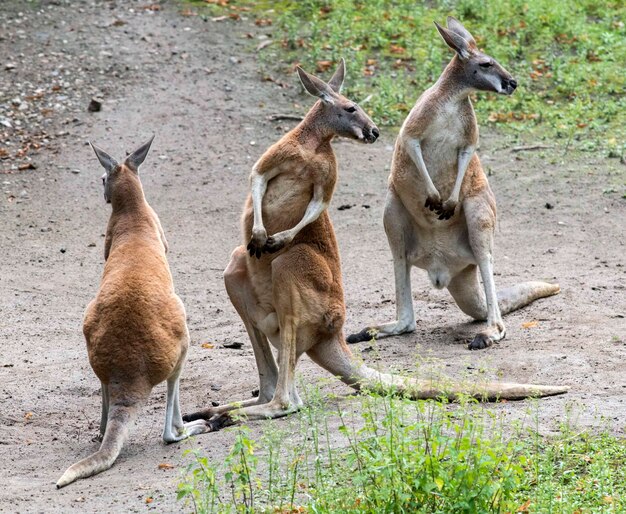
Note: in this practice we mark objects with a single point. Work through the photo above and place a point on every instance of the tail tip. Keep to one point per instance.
(65, 480)
(553, 390)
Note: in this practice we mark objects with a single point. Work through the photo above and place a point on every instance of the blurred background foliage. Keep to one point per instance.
(569, 57)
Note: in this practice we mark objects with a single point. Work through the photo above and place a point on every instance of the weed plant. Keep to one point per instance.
(386, 454)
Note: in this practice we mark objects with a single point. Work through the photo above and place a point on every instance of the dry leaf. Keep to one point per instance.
(28, 416)
(208, 346)
(323, 65)
(165, 465)
(524, 506)
(262, 22)
(149, 499)
(263, 44)
(530, 324)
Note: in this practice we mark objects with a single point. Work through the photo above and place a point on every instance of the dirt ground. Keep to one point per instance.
(195, 84)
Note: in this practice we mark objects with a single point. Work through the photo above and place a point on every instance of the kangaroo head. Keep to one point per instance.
(480, 71)
(115, 172)
(341, 116)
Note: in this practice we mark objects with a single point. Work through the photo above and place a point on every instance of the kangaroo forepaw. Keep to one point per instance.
(254, 249)
(367, 334)
(274, 244)
(433, 203)
(446, 210)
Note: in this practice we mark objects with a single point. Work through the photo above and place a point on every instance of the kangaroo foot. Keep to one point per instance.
(486, 338)
(206, 413)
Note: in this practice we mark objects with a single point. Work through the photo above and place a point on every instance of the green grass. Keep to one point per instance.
(383, 454)
(568, 57)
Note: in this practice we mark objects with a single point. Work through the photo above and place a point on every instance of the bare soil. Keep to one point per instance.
(195, 84)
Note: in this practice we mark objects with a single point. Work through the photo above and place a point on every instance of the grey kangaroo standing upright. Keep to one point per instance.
(440, 212)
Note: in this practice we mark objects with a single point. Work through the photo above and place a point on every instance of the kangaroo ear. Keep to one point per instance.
(457, 27)
(108, 162)
(134, 160)
(315, 87)
(336, 81)
(454, 41)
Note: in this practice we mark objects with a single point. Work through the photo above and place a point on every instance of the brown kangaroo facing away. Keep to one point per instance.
(135, 328)
(440, 212)
(288, 291)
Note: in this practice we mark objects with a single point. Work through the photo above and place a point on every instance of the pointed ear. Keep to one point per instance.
(454, 41)
(315, 86)
(134, 160)
(336, 81)
(456, 26)
(108, 162)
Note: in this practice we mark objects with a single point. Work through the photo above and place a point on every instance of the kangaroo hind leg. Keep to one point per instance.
(480, 217)
(302, 294)
(175, 429)
(401, 238)
(245, 302)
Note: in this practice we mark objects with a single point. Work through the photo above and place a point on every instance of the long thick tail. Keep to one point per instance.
(372, 380)
(519, 295)
(335, 357)
(119, 422)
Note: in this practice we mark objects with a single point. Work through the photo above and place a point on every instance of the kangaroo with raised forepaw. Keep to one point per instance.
(135, 328)
(288, 291)
(440, 213)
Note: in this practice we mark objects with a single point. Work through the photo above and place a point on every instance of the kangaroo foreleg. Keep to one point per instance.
(414, 149)
(447, 208)
(317, 206)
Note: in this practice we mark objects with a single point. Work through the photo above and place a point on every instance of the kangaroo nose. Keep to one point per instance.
(375, 132)
(513, 83)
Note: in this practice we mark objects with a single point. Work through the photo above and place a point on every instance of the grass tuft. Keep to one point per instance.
(387, 454)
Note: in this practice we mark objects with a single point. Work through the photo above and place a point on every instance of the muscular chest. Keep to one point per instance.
(292, 183)
(441, 141)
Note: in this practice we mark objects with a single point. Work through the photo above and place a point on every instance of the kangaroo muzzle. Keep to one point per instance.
(509, 85)
(370, 134)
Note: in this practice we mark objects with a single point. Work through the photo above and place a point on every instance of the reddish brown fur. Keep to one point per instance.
(135, 327)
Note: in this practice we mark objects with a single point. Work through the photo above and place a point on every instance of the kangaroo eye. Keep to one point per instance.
(350, 109)
(485, 65)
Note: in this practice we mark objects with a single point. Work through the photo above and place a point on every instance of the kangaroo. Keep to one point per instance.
(288, 290)
(135, 328)
(440, 212)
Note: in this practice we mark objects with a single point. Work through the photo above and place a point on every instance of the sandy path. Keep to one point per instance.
(195, 85)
